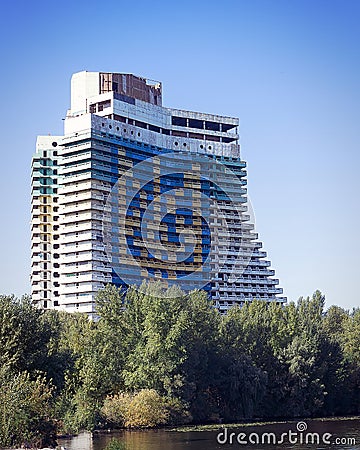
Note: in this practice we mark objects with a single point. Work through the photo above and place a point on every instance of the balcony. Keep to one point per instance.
(82, 277)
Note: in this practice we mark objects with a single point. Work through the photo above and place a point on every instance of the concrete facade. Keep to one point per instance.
(115, 122)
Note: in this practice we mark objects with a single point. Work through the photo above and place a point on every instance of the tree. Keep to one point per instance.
(25, 410)
(23, 338)
(171, 343)
(309, 357)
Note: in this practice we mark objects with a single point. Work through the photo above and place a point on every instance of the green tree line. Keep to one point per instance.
(159, 356)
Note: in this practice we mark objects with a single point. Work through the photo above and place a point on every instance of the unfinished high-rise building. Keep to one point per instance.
(137, 191)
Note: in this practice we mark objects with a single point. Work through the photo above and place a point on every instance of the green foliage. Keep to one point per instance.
(24, 409)
(171, 341)
(351, 340)
(21, 329)
(145, 409)
(159, 356)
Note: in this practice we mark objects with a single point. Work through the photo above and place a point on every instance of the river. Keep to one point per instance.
(310, 434)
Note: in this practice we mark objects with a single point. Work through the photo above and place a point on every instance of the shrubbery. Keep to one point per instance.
(160, 357)
(144, 409)
(25, 412)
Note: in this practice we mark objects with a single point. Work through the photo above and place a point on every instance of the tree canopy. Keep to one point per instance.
(159, 356)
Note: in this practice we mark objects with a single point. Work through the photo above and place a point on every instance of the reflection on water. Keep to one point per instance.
(341, 431)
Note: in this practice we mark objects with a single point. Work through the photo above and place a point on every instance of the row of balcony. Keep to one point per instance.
(253, 290)
(71, 267)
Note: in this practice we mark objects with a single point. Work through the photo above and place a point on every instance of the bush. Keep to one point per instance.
(145, 409)
(115, 408)
(25, 408)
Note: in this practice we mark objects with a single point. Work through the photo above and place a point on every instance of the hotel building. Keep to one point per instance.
(136, 191)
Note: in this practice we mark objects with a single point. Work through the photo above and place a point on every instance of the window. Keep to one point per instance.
(153, 128)
(179, 133)
(214, 126)
(119, 118)
(195, 123)
(140, 124)
(179, 121)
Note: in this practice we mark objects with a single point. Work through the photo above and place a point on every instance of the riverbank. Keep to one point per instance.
(217, 426)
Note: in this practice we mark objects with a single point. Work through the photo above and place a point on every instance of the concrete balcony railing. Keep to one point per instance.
(82, 226)
(81, 247)
(71, 218)
(82, 288)
(91, 277)
(76, 178)
(70, 188)
(77, 157)
(77, 300)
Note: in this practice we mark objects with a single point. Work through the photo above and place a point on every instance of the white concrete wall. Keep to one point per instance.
(83, 86)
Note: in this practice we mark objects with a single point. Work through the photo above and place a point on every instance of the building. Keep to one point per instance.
(134, 190)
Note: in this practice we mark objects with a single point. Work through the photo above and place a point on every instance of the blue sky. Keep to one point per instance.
(290, 70)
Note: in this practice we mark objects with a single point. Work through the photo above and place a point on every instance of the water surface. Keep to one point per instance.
(341, 433)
